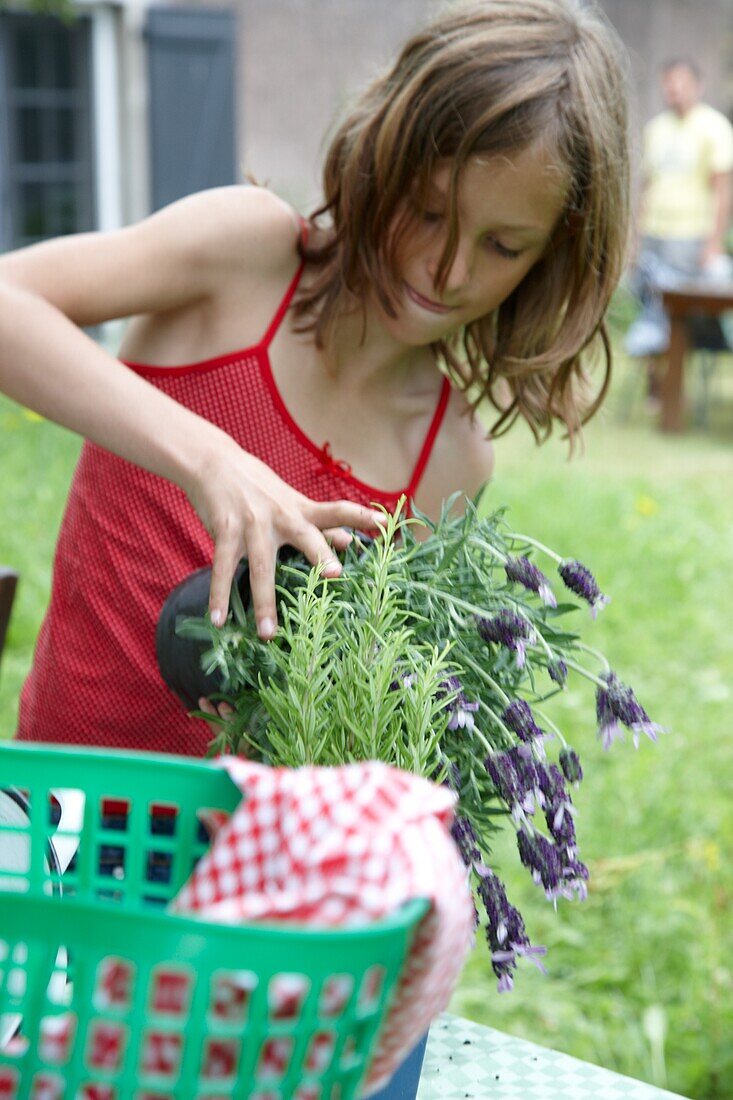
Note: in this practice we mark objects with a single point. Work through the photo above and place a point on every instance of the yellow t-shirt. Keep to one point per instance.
(680, 156)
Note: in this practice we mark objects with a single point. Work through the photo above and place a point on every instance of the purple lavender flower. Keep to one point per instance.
(576, 875)
(405, 680)
(560, 823)
(581, 581)
(460, 709)
(540, 856)
(553, 868)
(452, 778)
(508, 629)
(519, 718)
(516, 779)
(570, 764)
(524, 572)
(617, 705)
(552, 783)
(505, 932)
(502, 775)
(466, 840)
(559, 809)
(558, 671)
(609, 728)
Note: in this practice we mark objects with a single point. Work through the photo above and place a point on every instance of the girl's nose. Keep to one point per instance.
(459, 273)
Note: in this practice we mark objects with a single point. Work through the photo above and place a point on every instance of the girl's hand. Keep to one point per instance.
(221, 710)
(250, 511)
(216, 710)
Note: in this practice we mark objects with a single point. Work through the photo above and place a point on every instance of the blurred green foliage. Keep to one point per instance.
(65, 9)
(640, 974)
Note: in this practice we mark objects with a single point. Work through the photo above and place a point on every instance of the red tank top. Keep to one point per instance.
(128, 537)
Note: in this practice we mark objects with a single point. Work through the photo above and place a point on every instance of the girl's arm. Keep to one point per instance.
(48, 364)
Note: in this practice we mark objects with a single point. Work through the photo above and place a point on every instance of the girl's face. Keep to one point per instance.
(507, 208)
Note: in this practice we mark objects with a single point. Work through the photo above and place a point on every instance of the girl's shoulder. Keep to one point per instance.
(243, 228)
(219, 262)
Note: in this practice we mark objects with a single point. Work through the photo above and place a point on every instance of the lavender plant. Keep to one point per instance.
(435, 651)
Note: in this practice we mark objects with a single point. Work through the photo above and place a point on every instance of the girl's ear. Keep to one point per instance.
(573, 222)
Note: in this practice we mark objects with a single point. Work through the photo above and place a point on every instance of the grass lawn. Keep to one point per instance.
(640, 974)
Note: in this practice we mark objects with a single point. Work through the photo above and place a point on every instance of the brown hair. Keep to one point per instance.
(490, 77)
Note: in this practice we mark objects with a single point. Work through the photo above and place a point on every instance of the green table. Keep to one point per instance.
(464, 1060)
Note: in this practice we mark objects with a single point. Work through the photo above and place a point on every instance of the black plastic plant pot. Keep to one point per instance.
(179, 657)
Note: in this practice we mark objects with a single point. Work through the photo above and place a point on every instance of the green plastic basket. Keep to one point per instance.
(112, 998)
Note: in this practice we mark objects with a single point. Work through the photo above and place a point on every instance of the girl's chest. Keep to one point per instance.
(379, 437)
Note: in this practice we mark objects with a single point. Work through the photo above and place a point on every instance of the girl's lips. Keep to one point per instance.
(426, 303)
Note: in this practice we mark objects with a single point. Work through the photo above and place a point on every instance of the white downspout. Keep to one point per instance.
(106, 117)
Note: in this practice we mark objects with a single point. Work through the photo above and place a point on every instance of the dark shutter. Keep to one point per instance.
(191, 58)
(45, 129)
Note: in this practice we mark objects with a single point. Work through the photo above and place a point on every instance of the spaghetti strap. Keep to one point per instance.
(282, 309)
(427, 446)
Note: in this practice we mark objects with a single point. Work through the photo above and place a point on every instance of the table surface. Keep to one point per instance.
(710, 296)
(465, 1060)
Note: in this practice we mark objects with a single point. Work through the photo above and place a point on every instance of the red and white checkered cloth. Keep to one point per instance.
(342, 847)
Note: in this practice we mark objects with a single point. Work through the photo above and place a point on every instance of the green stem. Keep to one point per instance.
(584, 672)
(542, 642)
(463, 623)
(550, 723)
(476, 732)
(455, 600)
(485, 676)
(491, 549)
(495, 719)
(539, 546)
(594, 653)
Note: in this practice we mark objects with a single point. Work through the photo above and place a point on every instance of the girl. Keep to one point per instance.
(474, 220)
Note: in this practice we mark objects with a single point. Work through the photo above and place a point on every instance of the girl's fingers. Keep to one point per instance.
(313, 544)
(208, 707)
(261, 561)
(338, 537)
(220, 710)
(331, 516)
(344, 513)
(227, 552)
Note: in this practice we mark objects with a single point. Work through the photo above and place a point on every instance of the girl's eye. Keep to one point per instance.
(507, 253)
(432, 217)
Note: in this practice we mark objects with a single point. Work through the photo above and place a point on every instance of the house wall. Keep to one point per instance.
(301, 60)
(657, 30)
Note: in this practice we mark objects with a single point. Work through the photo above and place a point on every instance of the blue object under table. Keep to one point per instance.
(465, 1061)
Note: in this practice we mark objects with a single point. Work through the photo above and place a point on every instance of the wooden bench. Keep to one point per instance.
(8, 583)
(682, 302)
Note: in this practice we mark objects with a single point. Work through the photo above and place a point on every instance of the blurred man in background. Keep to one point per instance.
(685, 206)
